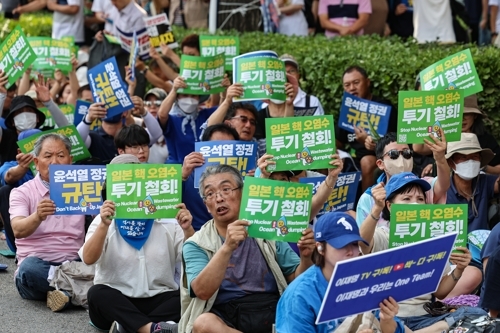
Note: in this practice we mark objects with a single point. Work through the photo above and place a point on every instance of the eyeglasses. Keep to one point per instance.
(151, 103)
(224, 193)
(394, 153)
(136, 149)
(245, 119)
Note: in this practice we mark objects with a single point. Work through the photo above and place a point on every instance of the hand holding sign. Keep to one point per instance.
(264, 162)
(107, 212)
(191, 161)
(462, 260)
(306, 243)
(337, 165)
(236, 233)
(291, 89)
(24, 160)
(97, 111)
(369, 143)
(45, 208)
(388, 310)
(437, 144)
(4, 79)
(235, 90)
(179, 83)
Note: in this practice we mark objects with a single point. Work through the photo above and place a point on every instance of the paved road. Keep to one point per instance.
(18, 315)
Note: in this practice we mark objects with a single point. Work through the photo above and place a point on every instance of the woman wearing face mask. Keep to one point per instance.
(406, 188)
(181, 120)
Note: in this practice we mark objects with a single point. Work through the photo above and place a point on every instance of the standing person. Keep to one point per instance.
(68, 19)
(344, 17)
(152, 102)
(432, 21)
(292, 18)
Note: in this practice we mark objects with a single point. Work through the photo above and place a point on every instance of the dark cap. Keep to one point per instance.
(17, 104)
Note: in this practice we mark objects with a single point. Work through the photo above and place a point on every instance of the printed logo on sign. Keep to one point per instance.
(434, 129)
(18, 65)
(205, 86)
(148, 204)
(452, 86)
(306, 156)
(51, 61)
(268, 87)
(280, 226)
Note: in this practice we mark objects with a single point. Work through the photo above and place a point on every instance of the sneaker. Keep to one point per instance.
(115, 328)
(165, 327)
(58, 300)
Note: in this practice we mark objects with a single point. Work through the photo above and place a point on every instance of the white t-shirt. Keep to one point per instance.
(128, 19)
(496, 3)
(295, 24)
(432, 21)
(69, 25)
(104, 7)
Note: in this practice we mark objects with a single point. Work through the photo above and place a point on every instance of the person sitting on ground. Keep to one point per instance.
(224, 268)
(406, 188)
(135, 283)
(299, 305)
(133, 140)
(42, 238)
(152, 101)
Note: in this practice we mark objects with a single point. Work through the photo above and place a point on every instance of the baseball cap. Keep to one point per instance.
(25, 134)
(287, 58)
(158, 92)
(337, 229)
(401, 179)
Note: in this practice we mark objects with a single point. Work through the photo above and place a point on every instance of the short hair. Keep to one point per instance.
(356, 68)
(133, 135)
(37, 148)
(383, 142)
(219, 128)
(218, 169)
(192, 40)
(82, 89)
(154, 64)
(386, 215)
(239, 105)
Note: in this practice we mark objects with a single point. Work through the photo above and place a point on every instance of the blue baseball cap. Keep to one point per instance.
(398, 181)
(28, 133)
(337, 229)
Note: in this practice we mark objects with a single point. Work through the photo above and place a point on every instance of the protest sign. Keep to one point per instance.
(304, 111)
(262, 75)
(228, 45)
(454, 72)
(203, 75)
(112, 39)
(144, 191)
(358, 285)
(67, 109)
(343, 194)
(126, 39)
(240, 154)
(422, 113)
(107, 87)
(81, 109)
(413, 223)
(160, 31)
(134, 51)
(78, 149)
(361, 112)
(16, 55)
(302, 143)
(51, 54)
(73, 47)
(76, 189)
(276, 210)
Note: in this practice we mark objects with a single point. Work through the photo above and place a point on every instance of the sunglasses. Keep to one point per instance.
(394, 153)
(150, 103)
(245, 120)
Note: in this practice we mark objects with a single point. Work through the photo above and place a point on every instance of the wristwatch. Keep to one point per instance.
(145, 70)
(84, 120)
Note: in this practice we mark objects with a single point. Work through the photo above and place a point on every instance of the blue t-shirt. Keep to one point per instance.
(484, 190)
(247, 271)
(299, 305)
(194, 203)
(492, 242)
(6, 166)
(180, 144)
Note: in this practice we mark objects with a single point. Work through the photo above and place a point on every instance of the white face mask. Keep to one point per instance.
(468, 170)
(188, 104)
(401, 164)
(277, 101)
(25, 121)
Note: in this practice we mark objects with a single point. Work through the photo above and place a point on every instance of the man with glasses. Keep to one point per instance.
(224, 268)
(133, 140)
(394, 158)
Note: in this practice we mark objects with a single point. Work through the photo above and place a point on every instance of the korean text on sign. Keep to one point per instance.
(276, 210)
(108, 88)
(203, 75)
(424, 113)
(160, 31)
(454, 72)
(300, 143)
(360, 284)
(51, 54)
(76, 189)
(227, 45)
(16, 55)
(413, 223)
(144, 191)
(240, 154)
(360, 112)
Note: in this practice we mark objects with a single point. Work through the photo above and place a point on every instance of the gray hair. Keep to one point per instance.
(37, 148)
(217, 169)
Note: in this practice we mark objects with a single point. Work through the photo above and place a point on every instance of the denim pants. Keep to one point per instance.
(418, 322)
(31, 278)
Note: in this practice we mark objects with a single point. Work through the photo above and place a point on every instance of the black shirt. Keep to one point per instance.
(8, 146)
(102, 145)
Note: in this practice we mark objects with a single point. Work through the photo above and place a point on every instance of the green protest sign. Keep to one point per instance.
(144, 191)
(71, 41)
(300, 143)
(276, 210)
(51, 54)
(421, 113)
(78, 149)
(16, 55)
(67, 109)
(262, 77)
(213, 45)
(454, 72)
(413, 223)
(112, 39)
(203, 75)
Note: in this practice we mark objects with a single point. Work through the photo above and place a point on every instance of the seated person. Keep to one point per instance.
(133, 139)
(224, 268)
(42, 238)
(407, 188)
(135, 283)
(491, 286)
(299, 305)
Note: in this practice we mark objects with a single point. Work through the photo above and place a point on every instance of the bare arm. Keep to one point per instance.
(438, 149)
(291, 9)
(168, 102)
(64, 9)
(367, 229)
(493, 18)
(218, 116)
(92, 249)
(315, 9)
(73, 82)
(33, 6)
(25, 226)
(327, 25)
(421, 149)
(24, 83)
